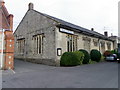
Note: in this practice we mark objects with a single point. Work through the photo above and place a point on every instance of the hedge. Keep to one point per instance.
(107, 53)
(95, 55)
(69, 59)
(80, 56)
(86, 56)
(72, 58)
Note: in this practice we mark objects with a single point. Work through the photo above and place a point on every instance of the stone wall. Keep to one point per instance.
(61, 42)
(32, 24)
(36, 23)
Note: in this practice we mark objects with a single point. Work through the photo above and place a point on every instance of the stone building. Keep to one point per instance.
(6, 38)
(42, 38)
(116, 41)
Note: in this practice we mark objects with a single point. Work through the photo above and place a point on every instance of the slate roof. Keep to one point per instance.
(4, 21)
(73, 27)
(76, 28)
(5, 11)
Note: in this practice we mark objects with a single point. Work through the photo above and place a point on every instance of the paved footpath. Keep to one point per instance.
(30, 75)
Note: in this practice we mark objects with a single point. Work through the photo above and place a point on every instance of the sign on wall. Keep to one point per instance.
(66, 31)
(59, 51)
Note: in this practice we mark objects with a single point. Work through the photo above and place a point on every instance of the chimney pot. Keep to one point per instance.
(31, 6)
(92, 29)
(111, 34)
(106, 33)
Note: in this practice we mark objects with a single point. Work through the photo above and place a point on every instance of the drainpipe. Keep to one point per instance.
(99, 44)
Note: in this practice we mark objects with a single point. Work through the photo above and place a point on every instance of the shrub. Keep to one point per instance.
(69, 59)
(86, 56)
(102, 58)
(92, 62)
(114, 52)
(107, 53)
(95, 55)
(80, 56)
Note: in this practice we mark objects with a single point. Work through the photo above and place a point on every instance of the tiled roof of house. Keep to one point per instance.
(5, 11)
(67, 25)
(5, 19)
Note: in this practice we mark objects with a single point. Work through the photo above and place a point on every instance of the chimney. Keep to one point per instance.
(2, 2)
(92, 29)
(106, 33)
(10, 19)
(111, 34)
(30, 6)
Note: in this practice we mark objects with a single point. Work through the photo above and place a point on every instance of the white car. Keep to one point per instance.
(112, 57)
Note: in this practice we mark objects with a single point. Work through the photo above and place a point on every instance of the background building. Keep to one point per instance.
(41, 38)
(6, 38)
(116, 41)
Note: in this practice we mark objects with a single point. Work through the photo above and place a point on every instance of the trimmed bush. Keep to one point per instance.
(69, 59)
(114, 52)
(86, 56)
(95, 55)
(107, 53)
(80, 56)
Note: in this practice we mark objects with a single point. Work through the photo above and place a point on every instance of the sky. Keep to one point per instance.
(102, 15)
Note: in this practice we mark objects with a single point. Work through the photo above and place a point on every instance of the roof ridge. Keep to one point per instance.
(85, 30)
(74, 27)
(5, 17)
(5, 11)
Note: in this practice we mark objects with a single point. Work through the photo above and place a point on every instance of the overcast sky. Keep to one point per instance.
(102, 15)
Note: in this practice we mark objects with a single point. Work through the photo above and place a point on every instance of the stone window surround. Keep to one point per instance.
(38, 43)
(21, 45)
(95, 42)
(108, 45)
(71, 42)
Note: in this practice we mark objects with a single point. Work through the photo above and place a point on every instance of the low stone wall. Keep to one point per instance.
(50, 62)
